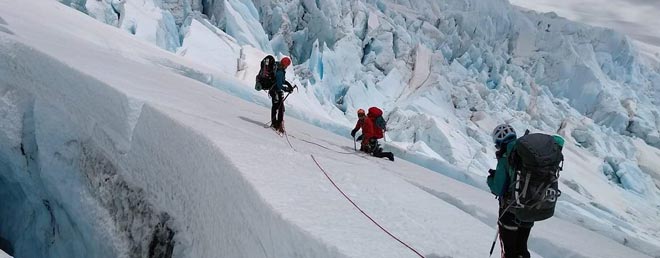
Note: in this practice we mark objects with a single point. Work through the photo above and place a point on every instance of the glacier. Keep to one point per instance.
(94, 139)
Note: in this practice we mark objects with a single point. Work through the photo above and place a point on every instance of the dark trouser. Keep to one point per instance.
(379, 153)
(375, 150)
(513, 236)
(277, 108)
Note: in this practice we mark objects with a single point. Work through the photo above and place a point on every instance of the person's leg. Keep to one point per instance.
(280, 109)
(382, 154)
(366, 146)
(378, 152)
(523, 237)
(508, 236)
(389, 155)
(508, 242)
(273, 110)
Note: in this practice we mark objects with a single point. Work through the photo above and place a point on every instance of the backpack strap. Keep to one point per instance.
(524, 189)
(516, 185)
(544, 192)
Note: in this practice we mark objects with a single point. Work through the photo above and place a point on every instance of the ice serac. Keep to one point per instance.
(242, 23)
(211, 46)
(238, 18)
(76, 4)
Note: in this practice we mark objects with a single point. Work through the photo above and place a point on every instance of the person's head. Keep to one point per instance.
(285, 62)
(361, 114)
(503, 134)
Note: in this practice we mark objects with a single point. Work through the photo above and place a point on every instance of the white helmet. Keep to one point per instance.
(503, 133)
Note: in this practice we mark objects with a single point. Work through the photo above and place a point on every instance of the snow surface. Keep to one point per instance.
(123, 144)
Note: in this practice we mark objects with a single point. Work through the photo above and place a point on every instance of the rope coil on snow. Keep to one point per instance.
(362, 211)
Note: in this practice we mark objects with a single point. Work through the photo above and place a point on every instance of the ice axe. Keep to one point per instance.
(498, 229)
(289, 93)
(492, 247)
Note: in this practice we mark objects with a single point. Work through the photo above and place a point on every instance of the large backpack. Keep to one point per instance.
(266, 76)
(537, 161)
(379, 121)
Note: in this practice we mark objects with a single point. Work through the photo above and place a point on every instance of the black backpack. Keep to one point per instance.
(536, 161)
(266, 76)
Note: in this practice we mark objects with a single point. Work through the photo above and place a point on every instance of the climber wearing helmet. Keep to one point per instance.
(513, 232)
(276, 94)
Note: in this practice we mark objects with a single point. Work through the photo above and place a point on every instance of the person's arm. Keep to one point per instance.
(497, 181)
(279, 80)
(357, 127)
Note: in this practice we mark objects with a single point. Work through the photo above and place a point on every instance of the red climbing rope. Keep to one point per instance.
(289, 142)
(362, 211)
(320, 145)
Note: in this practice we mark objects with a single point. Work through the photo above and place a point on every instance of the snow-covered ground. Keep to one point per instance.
(120, 149)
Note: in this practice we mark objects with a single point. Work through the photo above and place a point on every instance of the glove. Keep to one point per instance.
(353, 133)
(289, 89)
(491, 172)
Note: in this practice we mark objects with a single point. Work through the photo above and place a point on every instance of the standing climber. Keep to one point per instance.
(525, 182)
(276, 94)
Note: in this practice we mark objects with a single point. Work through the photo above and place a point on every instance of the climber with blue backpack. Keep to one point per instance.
(526, 184)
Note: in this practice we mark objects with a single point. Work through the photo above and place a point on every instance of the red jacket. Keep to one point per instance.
(369, 128)
(359, 124)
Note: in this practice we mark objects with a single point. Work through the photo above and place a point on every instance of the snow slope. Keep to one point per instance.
(118, 150)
